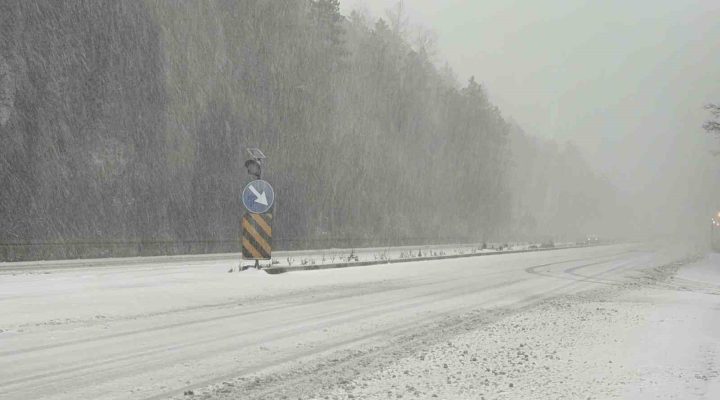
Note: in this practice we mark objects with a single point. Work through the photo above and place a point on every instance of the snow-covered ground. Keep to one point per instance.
(623, 321)
(660, 341)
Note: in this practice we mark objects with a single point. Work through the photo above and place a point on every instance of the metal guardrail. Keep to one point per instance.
(82, 249)
(411, 253)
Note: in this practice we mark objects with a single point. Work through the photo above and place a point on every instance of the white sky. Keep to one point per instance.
(624, 80)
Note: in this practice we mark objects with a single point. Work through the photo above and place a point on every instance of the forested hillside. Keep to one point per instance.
(123, 126)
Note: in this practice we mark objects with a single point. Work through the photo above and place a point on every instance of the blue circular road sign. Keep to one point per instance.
(258, 196)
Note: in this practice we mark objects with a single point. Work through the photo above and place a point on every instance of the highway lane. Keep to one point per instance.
(150, 333)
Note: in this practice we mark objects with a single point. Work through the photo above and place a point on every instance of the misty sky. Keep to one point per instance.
(624, 80)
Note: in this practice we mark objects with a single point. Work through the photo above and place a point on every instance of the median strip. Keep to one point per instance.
(313, 267)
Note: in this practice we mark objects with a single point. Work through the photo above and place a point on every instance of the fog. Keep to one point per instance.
(124, 125)
(624, 81)
(315, 199)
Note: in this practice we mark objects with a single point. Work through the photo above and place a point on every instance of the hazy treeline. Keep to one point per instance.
(556, 194)
(125, 122)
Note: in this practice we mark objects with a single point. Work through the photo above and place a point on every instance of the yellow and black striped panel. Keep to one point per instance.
(256, 236)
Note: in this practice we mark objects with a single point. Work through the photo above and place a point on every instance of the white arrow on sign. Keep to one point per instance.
(261, 198)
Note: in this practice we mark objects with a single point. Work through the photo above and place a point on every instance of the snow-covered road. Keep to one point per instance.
(461, 328)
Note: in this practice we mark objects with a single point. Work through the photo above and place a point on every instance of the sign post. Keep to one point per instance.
(257, 237)
(258, 198)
